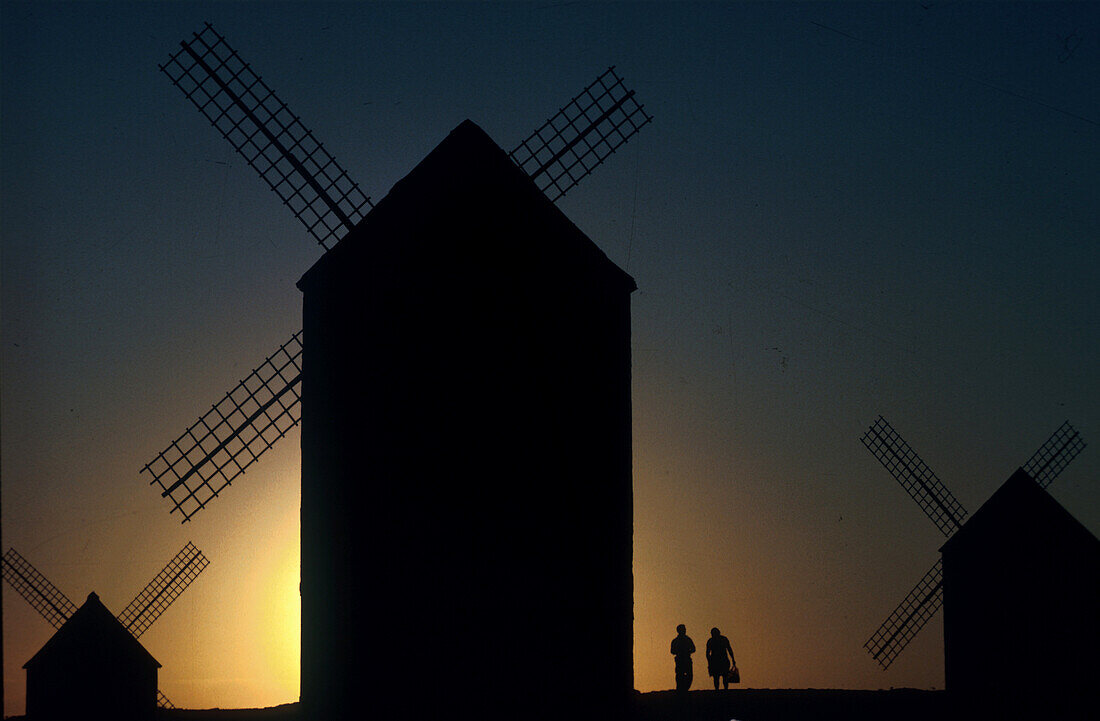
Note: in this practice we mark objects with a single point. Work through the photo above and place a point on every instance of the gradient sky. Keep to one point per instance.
(839, 211)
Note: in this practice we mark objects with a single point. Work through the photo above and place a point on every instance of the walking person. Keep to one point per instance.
(719, 658)
(682, 648)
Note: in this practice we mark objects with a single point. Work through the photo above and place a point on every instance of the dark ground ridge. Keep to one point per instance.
(903, 704)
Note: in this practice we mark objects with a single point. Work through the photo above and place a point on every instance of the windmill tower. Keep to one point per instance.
(74, 675)
(1021, 585)
(978, 552)
(466, 486)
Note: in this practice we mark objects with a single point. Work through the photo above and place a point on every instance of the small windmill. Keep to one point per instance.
(266, 404)
(137, 617)
(922, 484)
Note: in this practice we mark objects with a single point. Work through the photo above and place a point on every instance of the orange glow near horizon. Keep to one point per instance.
(246, 609)
(279, 618)
(233, 640)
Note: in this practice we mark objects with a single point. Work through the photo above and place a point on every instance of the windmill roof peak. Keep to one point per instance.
(467, 174)
(92, 632)
(1017, 504)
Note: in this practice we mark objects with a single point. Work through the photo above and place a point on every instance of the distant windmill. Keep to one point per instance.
(264, 406)
(137, 617)
(948, 514)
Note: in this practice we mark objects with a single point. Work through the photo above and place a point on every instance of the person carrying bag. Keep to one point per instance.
(721, 663)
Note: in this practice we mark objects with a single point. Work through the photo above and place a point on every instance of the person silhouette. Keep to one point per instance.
(682, 648)
(719, 658)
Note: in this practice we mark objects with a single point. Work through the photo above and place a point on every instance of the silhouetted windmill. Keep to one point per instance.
(266, 404)
(922, 484)
(137, 617)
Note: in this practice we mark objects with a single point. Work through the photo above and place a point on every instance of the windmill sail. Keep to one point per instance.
(230, 437)
(233, 434)
(1054, 455)
(571, 144)
(915, 477)
(259, 126)
(43, 596)
(156, 597)
(908, 618)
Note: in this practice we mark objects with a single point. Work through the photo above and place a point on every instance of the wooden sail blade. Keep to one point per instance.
(233, 434)
(572, 143)
(165, 588)
(908, 618)
(914, 475)
(1054, 455)
(263, 130)
(43, 596)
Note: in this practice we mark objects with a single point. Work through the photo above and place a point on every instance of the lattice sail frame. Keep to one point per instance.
(918, 480)
(159, 594)
(1054, 455)
(557, 156)
(233, 434)
(263, 130)
(577, 139)
(908, 618)
(43, 596)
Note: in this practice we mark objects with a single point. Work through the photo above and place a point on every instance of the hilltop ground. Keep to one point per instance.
(742, 705)
(792, 704)
(733, 705)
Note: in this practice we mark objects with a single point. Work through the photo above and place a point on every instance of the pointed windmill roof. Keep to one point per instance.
(1020, 507)
(92, 632)
(470, 179)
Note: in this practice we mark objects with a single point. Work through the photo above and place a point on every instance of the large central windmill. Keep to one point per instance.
(463, 385)
(256, 413)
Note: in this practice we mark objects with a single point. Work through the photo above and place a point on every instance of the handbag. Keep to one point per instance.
(733, 675)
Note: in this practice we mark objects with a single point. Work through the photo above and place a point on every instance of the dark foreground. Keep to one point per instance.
(793, 704)
(1019, 704)
(742, 705)
(733, 705)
